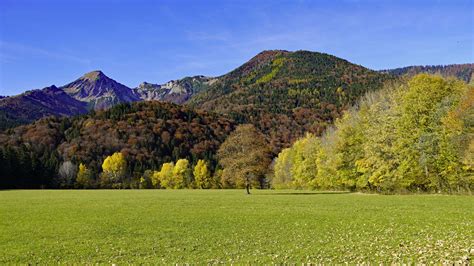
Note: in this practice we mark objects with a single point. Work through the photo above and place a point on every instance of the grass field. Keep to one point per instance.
(185, 226)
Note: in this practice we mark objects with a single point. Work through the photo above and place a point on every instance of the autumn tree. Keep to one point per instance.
(202, 175)
(67, 173)
(114, 169)
(245, 156)
(181, 175)
(164, 177)
(304, 168)
(84, 177)
(283, 176)
(296, 167)
(378, 162)
(410, 136)
(146, 179)
(420, 114)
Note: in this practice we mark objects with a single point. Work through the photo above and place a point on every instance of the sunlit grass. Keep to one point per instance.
(185, 226)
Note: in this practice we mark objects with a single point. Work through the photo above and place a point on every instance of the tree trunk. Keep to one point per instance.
(247, 185)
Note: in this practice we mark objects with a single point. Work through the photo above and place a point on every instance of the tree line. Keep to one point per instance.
(285, 94)
(115, 175)
(245, 156)
(413, 136)
(147, 134)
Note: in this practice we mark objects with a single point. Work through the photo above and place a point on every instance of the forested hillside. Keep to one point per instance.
(285, 94)
(461, 71)
(147, 134)
(411, 135)
(416, 136)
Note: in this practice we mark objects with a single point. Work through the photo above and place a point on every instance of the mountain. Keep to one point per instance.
(147, 133)
(99, 91)
(463, 72)
(93, 90)
(35, 104)
(176, 91)
(286, 94)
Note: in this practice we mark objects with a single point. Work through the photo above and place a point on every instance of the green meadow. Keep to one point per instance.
(227, 226)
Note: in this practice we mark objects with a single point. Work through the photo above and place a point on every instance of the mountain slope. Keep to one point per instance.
(36, 104)
(147, 133)
(93, 90)
(99, 91)
(176, 91)
(286, 94)
(463, 72)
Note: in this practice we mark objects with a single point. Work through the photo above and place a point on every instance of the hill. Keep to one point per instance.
(147, 133)
(460, 71)
(35, 104)
(286, 94)
(92, 91)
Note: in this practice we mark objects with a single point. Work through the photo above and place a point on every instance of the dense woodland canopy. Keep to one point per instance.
(285, 94)
(417, 136)
(148, 134)
(414, 135)
(463, 72)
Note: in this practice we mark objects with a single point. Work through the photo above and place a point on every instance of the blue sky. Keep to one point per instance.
(54, 42)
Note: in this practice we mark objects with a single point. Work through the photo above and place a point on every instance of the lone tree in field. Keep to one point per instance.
(245, 156)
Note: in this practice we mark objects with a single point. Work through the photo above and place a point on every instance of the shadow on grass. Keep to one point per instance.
(307, 193)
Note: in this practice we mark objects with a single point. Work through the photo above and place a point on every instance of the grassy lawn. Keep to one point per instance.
(155, 226)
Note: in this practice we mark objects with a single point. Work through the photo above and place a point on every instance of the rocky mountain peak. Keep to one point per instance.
(94, 75)
(99, 91)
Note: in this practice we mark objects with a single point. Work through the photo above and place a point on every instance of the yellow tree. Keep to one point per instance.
(417, 143)
(377, 164)
(181, 174)
(164, 177)
(202, 176)
(304, 167)
(282, 169)
(454, 163)
(114, 169)
(84, 177)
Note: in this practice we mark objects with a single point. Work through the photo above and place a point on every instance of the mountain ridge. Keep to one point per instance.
(176, 91)
(35, 104)
(286, 94)
(308, 80)
(92, 91)
(463, 72)
(99, 91)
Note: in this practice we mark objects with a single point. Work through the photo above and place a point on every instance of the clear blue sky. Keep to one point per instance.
(54, 42)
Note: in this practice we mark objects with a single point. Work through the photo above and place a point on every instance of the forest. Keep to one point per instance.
(146, 134)
(409, 137)
(285, 94)
(414, 135)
